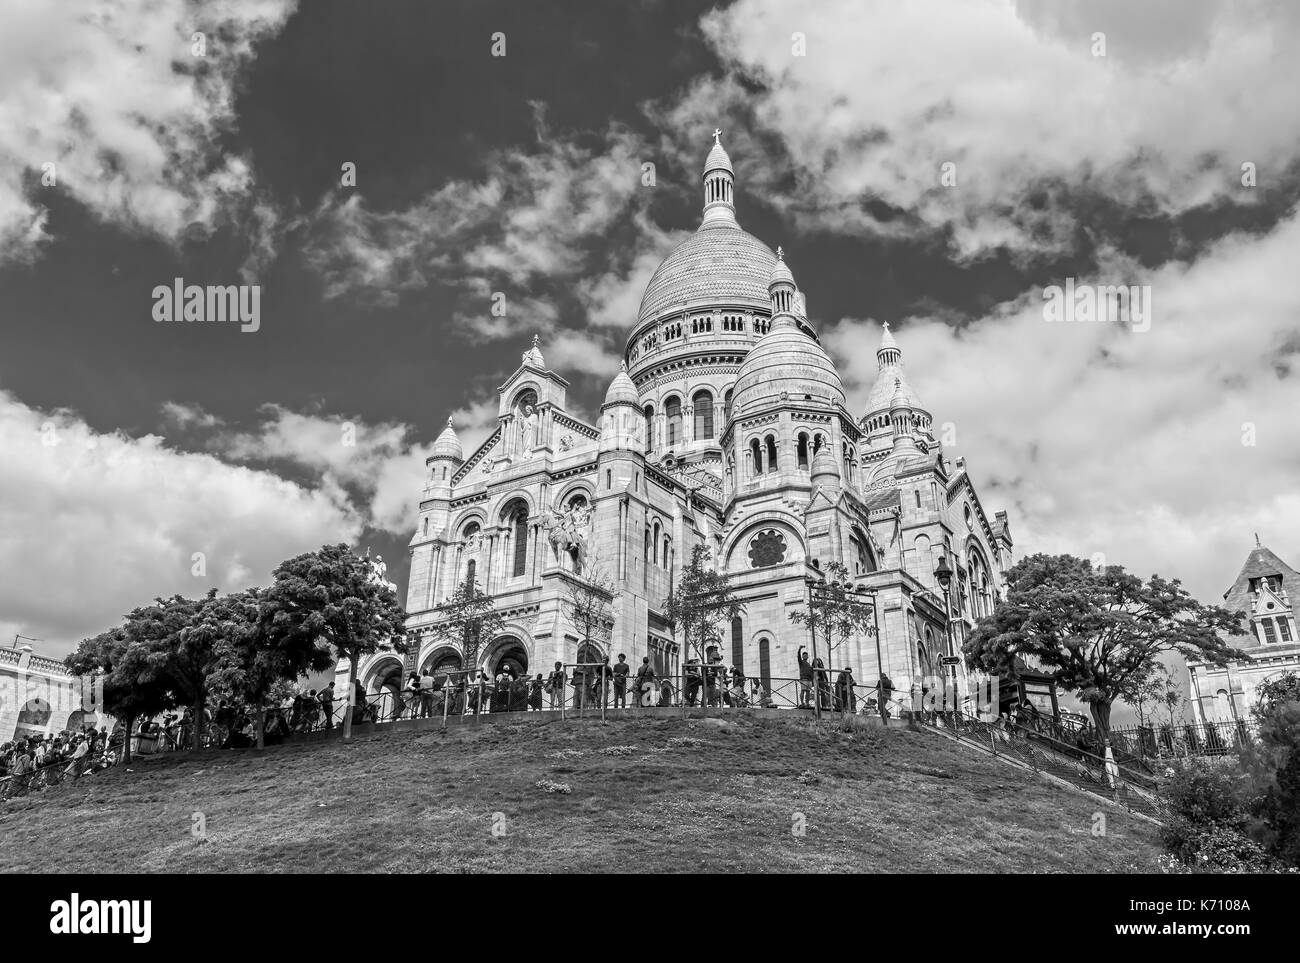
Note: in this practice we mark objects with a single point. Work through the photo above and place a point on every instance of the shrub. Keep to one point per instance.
(1208, 821)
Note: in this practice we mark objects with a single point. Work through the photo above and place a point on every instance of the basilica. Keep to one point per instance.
(727, 427)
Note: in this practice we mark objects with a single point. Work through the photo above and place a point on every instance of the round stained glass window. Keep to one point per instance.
(767, 548)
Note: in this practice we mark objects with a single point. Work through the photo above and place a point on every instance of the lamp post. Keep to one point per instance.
(943, 575)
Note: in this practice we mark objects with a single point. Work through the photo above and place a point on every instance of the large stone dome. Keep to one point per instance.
(718, 264)
(786, 361)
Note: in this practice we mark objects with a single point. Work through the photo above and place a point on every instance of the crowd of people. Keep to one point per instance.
(35, 759)
(705, 682)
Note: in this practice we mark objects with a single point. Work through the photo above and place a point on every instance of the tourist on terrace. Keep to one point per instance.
(621, 670)
(694, 680)
(412, 693)
(884, 692)
(805, 679)
(644, 674)
(535, 688)
(327, 705)
(427, 684)
(555, 683)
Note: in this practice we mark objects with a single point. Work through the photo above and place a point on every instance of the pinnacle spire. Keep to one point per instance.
(719, 186)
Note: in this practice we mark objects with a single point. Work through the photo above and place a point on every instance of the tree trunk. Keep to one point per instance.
(126, 742)
(352, 698)
(261, 724)
(1100, 712)
(197, 710)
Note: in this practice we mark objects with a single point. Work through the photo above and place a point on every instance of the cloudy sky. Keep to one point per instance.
(1153, 144)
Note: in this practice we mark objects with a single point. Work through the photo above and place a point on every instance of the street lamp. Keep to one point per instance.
(943, 575)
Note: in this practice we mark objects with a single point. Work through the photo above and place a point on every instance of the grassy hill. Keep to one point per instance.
(654, 795)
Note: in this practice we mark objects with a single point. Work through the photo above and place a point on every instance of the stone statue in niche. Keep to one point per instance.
(528, 424)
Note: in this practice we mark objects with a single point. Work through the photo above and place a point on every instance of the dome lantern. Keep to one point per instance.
(719, 185)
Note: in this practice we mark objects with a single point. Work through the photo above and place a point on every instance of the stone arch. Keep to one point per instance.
(440, 660)
(511, 636)
(384, 680)
(472, 516)
(522, 392)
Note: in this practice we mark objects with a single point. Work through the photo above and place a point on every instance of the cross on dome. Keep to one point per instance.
(717, 134)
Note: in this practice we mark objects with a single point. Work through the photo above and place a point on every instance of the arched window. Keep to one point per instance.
(726, 405)
(649, 427)
(765, 663)
(702, 401)
(738, 643)
(426, 526)
(801, 451)
(647, 544)
(470, 569)
(818, 441)
(756, 456)
(771, 453)
(673, 413)
(667, 562)
(521, 541)
(656, 544)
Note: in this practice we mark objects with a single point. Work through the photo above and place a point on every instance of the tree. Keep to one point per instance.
(132, 688)
(263, 657)
(836, 610)
(1096, 630)
(211, 625)
(467, 618)
(701, 603)
(332, 597)
(586, 604)
(1145, 690)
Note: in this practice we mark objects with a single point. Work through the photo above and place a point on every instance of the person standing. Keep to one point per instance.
(327, 705)
(884, 692)
(621, 670)
(691, 672)
(645, 674)
(805, 679)
(555, 684)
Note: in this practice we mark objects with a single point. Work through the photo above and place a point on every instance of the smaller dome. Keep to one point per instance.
(717, 160)
(621, 390)
(780, 271)
(786, 360)
(886, 339)
(900, 398)
(825, 470)
(447, 445)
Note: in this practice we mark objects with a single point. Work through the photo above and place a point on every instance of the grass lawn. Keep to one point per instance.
(650, 795)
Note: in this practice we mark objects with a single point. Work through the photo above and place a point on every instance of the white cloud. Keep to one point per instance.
(97, 523)
(1012, 95)
(111, 95)
(532, 221)
(1100, 439)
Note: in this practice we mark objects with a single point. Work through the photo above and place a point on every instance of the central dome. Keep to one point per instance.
(718, 264)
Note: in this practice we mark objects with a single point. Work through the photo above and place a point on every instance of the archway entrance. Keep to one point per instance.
(440, 663)
(386, 683)
(512, 658)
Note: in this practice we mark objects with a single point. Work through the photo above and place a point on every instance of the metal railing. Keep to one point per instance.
(1044, 753)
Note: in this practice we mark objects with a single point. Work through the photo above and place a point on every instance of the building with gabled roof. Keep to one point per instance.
(1265, 593)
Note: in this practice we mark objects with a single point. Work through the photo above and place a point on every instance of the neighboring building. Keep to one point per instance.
(39, 696)
(727, 427)
(1265, 593)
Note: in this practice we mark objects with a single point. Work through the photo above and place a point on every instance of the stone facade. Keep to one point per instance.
(1264, 592)
(40, 696)
(728, 427)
